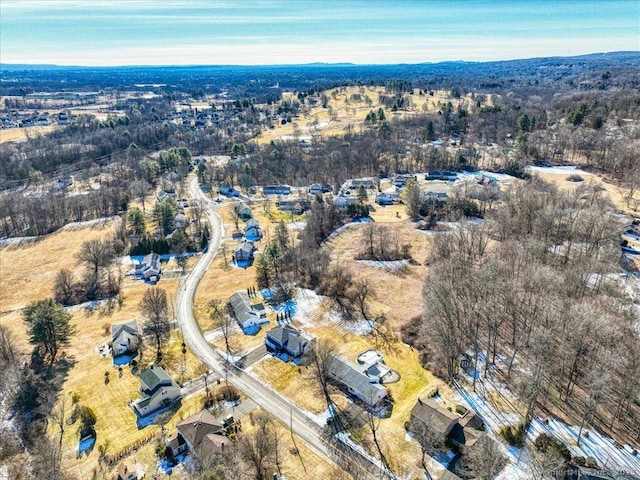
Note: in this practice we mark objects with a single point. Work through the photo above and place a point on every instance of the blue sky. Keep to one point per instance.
(96, 32)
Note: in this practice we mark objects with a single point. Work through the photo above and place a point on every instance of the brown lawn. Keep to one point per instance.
(347, 113)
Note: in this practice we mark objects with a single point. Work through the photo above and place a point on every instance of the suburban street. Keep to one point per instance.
(280, 407)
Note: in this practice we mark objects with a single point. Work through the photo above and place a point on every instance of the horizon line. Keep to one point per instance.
(309, 64)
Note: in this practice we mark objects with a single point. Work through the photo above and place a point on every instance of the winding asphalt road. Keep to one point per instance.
(280, 407)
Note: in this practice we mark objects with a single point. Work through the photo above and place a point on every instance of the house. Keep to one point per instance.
(342, 201)
(276, 190)
(368, 182)
(435, 196)
(296, 206)
(179, 221)
(356, 383)
(462, 431)
(157, 390)
(315, 189)
(164, 194)
(198, 432)
(150, 268)
(286, 339)
(245, 314)
(63, 182)
(437, 175)
(229, 191)
(125, 337)
(244, 212)
(129, 471)
(401, 179)
(384, 199)
(252, 231)
(244, 252)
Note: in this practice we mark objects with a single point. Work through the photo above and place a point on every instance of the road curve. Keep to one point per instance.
(280, 407)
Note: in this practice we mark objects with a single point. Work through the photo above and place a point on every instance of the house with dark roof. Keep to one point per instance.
(252, 231)
(297, 206)
(198, 432)
(244, 252)
(245, 314)
(157, 390)
(244, 212)
(288, 340)
(356, 383)
(150, 268)
(462, 431)
(276, 190)
(125, 337)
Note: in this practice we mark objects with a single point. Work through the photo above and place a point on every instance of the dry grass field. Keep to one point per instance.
(346, 112)
(29, 272)
(19, 134)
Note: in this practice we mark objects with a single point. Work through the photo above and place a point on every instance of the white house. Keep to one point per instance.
(245, 315)
(125, 337)
(157, 390)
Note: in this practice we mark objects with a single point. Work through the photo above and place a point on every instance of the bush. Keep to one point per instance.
(514, 435)
(545, 443)
(228, 393)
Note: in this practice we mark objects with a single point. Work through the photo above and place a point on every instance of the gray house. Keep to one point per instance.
(244, 252)
(286, 339)
(356, 382)
(157, 390)
(125, 337)
(150, 268)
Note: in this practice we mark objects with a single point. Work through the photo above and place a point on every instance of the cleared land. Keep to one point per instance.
(19, 134)
(348, 107)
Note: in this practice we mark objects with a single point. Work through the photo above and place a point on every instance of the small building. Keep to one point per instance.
(198, 432)
(288, 340)
(356, 383)
(125, 337)
(150, 268)
(244, 252)
(276, 190)
(157, 390)
(252, 231)
(245, 314)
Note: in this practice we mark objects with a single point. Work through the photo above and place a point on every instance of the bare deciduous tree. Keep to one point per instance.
(155, 308)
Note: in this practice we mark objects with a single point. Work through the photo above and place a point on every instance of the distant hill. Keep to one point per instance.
(258, 81)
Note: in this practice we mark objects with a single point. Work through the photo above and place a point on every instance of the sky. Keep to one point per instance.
(238, 32)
